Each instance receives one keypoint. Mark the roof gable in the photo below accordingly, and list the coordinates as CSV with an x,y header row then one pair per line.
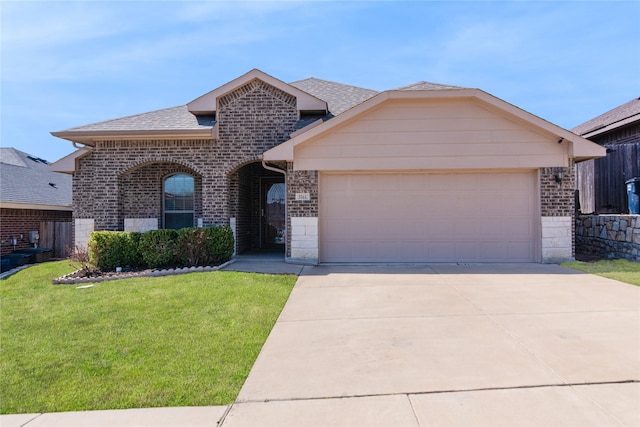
x,y
208,103
575,146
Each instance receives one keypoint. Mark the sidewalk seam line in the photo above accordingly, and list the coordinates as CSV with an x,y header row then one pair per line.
x,y
418,393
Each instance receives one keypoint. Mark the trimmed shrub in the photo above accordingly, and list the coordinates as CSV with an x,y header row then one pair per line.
x,y
204,246
111,249
159,248
219,244
192,248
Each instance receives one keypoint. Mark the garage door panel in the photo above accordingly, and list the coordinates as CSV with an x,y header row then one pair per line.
x,y
361,203
440,229
520,251
412,182
474,217
494,251
518,207
389,230
517,229
441,251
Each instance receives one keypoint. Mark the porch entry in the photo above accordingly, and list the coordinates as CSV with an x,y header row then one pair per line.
x,y
257,201
273,222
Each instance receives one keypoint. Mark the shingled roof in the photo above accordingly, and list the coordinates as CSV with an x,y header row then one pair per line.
x,y
338,96
428,86
622,115
178,120
168,119
27,180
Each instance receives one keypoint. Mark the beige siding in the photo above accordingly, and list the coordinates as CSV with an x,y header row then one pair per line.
x,y
430,134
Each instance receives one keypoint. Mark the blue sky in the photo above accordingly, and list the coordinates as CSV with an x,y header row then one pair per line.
x,y
65,64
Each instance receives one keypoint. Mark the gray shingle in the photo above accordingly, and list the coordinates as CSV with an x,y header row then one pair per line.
x,y
175,118
624,111
338,96
428,86
26,179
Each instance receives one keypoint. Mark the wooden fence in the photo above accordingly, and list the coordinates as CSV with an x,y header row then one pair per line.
x,y
601,182
57,236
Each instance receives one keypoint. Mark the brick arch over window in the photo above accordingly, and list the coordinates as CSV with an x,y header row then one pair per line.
x,y
141,189
139,163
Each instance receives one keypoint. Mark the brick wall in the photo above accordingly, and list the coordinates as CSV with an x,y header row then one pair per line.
x,y
17,222
557,199
123,178
141,190
557,206
300,182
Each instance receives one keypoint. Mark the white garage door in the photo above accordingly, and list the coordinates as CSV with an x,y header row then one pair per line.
x,y
462,217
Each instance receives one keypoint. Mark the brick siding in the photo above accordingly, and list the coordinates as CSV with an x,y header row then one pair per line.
x,y
558,199
121,179
16,222
300,182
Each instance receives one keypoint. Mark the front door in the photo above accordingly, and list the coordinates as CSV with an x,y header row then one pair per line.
x,y
273,230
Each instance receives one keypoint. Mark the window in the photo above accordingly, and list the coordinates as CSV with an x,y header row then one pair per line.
x,y
178,201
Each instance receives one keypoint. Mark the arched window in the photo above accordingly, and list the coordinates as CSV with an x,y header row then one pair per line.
x,y
178,201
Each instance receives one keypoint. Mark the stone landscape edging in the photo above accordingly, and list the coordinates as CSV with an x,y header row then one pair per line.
x,y
69,280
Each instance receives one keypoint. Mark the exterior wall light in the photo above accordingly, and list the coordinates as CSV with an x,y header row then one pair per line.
x,y
558,174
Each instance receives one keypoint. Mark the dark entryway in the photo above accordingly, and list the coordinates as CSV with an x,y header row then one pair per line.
x,y
273,198
257,201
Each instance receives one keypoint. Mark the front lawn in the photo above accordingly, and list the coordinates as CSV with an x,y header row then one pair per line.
x,y
184,340
619,269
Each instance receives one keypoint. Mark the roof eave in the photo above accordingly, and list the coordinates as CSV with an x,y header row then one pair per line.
x,y
612,126
89,137
35,206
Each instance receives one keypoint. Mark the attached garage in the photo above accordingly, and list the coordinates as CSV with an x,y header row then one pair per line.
x,y
428,217
420,176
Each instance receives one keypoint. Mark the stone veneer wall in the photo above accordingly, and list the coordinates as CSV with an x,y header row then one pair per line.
x,y
111,182
301,182
609,236
557,209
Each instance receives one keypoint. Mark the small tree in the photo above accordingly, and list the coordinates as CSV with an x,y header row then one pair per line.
x,y
80,260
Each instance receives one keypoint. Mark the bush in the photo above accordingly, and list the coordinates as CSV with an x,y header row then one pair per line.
x,y
192,249
111,249
204,246
219,244
159,248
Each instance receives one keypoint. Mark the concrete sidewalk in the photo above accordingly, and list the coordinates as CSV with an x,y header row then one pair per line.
x,y
267,263
200,416
479,345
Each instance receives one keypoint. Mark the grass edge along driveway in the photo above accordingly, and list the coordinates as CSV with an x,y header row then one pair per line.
x,y
184,340
619,269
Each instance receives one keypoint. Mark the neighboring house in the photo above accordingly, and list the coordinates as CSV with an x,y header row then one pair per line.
x,y
32,199
601,182
327,172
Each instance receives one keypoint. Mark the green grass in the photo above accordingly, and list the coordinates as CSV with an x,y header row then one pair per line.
x,y
620,269
185,340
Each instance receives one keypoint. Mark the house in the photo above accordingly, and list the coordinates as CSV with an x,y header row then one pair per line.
x,y
34,201
327,172
601,182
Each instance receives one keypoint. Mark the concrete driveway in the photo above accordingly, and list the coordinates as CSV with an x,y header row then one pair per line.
x,y
523,344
